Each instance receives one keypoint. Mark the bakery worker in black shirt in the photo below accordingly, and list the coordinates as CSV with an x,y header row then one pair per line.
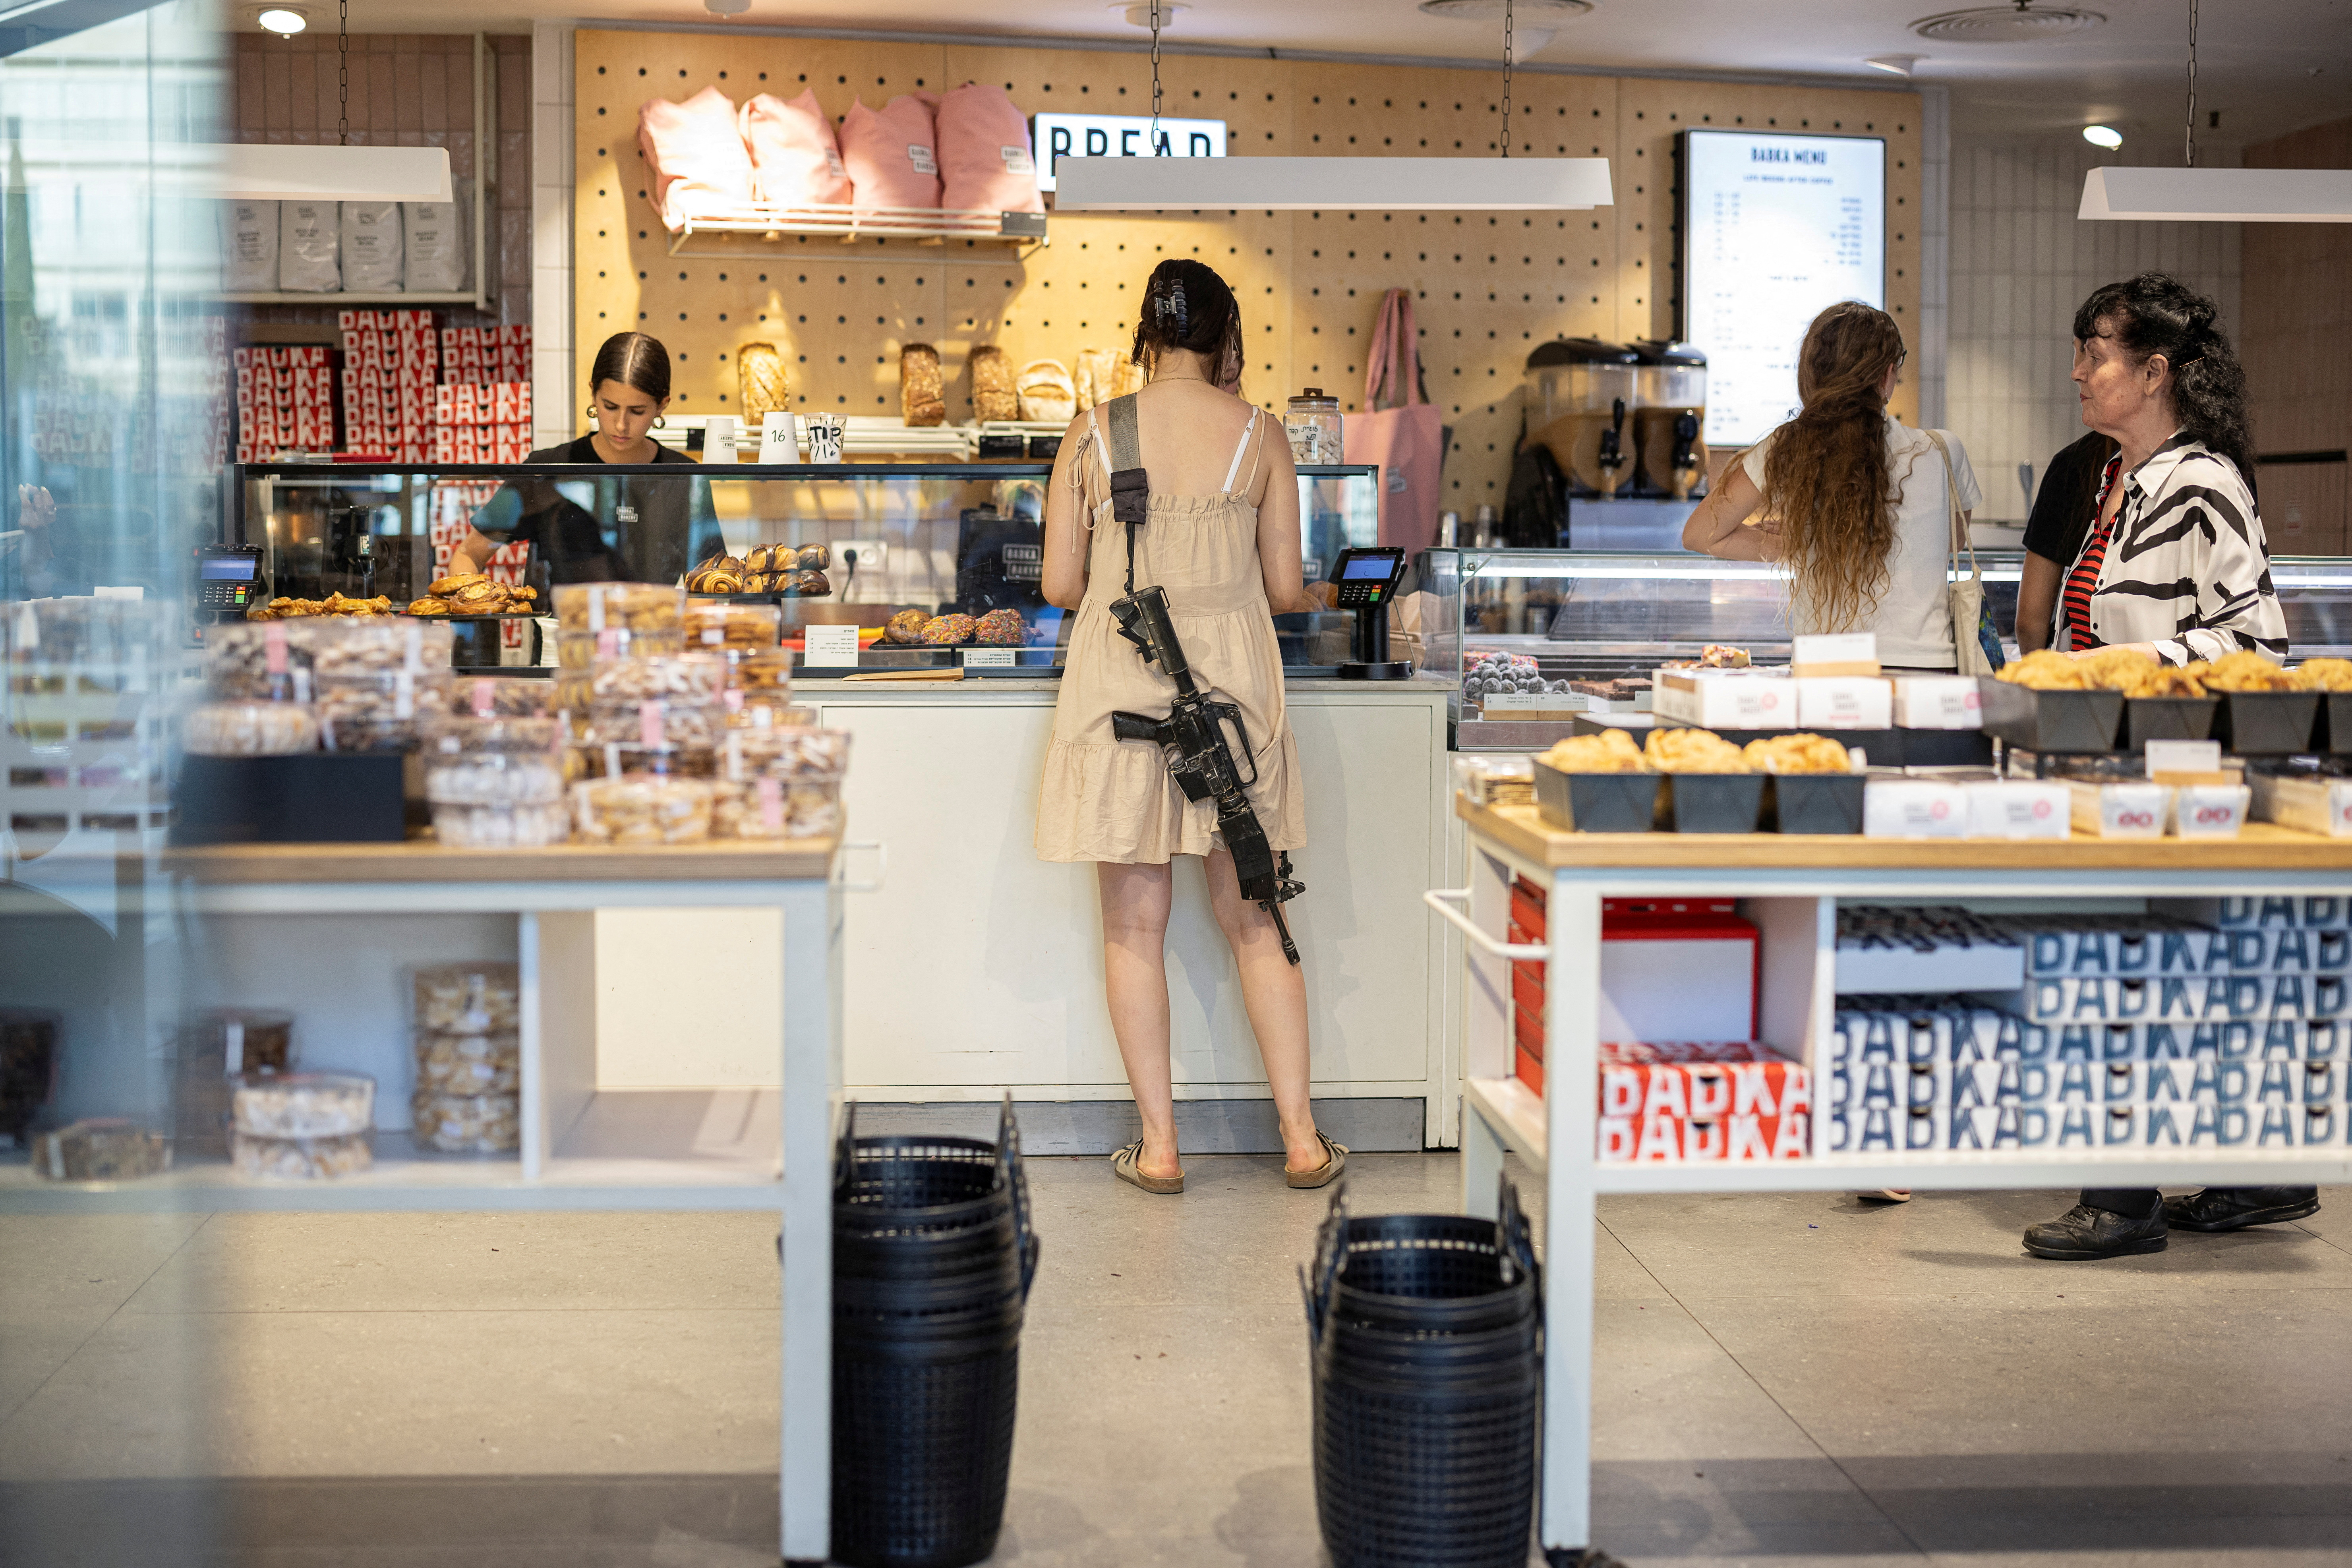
x,y
2063,510
642,534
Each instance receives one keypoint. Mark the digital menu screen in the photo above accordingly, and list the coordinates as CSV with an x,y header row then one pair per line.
x,y
1775,228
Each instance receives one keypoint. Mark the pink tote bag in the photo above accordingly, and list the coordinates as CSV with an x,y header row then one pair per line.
x,y
1408,440
697,154
794,159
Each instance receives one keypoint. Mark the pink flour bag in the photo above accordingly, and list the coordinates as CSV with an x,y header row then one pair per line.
x,y
795,161
696,152
985,163
892,152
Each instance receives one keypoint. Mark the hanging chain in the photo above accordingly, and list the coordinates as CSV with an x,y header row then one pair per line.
x,y
343,74
1506,77
2188,134
1155,77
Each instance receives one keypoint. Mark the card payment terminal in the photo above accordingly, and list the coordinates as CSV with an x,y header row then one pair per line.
x,y
228,579
1366,580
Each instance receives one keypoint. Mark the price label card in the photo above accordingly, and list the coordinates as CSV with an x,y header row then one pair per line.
x,y
1536,702
989,658
832,648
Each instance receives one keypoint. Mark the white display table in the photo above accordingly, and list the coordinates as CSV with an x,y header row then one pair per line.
x,y
1789,887
582,1147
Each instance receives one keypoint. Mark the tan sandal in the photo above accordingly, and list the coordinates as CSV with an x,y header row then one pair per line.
x,y
1335,1160
1128,1167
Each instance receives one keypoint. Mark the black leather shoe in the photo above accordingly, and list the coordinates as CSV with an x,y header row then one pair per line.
x,y
2234,1208
2083,1231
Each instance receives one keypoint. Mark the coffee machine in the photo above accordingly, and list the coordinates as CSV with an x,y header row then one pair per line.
x,y
1669,419
1580,398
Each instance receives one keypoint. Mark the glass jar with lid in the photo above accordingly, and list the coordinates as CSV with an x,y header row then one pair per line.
x,y
1581,396
1670,422
1312,423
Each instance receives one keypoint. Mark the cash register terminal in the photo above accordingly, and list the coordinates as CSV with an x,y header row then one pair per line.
x,y
228,581
1366,580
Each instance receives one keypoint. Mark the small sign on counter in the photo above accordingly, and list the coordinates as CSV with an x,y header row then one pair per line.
x,y
831,647
989,659
1531,704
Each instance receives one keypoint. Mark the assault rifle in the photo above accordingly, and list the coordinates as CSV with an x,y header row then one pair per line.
x,y
1202,762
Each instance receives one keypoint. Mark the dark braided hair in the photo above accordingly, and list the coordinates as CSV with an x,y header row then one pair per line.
x,y
1187,306
2156,313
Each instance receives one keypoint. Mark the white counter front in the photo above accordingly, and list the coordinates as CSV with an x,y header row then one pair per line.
x,y
977,968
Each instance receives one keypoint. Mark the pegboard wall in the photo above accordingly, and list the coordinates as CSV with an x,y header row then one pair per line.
x,y
1487,286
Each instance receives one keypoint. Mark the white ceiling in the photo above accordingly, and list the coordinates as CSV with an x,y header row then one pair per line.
x,y
2268,66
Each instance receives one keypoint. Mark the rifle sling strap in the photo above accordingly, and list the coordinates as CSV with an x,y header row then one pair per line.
x,y
1130,486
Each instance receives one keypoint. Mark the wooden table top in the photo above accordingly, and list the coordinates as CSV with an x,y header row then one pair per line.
x,y
422,860
2260,847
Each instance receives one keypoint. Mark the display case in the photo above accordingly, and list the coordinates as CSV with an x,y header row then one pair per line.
x,y
1595,615
937,538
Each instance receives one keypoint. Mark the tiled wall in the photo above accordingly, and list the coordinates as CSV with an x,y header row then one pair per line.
x,y
407,90
2020,262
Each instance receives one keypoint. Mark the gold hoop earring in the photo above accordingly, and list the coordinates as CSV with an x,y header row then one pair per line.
x,y
661,422
590,411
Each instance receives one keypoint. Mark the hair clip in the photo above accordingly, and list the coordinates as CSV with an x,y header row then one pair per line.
x,y
1171,303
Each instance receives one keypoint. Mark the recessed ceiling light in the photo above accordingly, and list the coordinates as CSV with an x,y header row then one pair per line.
x,y
1140,15
2016,24
2103,136
727,7
282,20
1893,65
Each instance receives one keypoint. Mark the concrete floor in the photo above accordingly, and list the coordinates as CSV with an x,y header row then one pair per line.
x,y
1780,1378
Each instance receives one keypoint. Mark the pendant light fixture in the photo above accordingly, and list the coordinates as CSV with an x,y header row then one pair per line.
x,y
2191,194
271,171
1166,182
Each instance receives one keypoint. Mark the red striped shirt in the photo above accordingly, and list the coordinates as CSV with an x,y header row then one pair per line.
x,y
2074,601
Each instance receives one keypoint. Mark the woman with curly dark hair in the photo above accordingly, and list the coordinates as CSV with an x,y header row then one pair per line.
x,y
1849,500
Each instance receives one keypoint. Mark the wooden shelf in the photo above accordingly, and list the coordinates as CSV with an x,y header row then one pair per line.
x,y
422,860
2262,847
338,298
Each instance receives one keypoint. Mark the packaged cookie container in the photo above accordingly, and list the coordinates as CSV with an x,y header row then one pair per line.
x,y
467,1124
712,626
300,1159
765,710
456,737
503,697
495,778
768,673
370,710
699,677
225,1042
581,650
635,606
302,1104
654,721
468,1064
467,998
534,827
249,728
376,645
104,1149
613,760
767,807
640,808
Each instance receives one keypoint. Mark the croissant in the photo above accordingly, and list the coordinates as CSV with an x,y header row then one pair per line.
x,y
451,583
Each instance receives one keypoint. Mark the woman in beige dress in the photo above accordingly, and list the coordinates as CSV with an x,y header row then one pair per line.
x,y
1222,539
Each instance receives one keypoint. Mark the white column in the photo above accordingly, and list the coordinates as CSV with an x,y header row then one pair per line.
x,y
555,396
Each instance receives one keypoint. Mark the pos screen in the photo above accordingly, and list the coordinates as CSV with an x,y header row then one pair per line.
x,y
1365,577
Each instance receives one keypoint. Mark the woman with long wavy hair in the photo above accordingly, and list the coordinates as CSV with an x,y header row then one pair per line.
x,y
1851,501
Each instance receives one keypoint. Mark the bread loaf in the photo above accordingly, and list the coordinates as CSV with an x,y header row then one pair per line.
x,y
1098,373
919,400
993,396
760,381
1129,379
1047,395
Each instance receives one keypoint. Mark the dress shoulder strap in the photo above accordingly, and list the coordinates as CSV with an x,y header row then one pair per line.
x,y
1234,471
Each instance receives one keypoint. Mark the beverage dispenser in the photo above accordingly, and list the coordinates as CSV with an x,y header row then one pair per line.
x,y
1580,404
1669,417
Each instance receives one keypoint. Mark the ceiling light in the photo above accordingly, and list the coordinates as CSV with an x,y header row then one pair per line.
x,y
2103,136
2218,196
275,171
282,20
1893,65
727,7
2014,24
1140,15
1492,10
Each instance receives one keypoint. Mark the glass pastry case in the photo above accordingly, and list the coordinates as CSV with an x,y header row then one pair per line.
x,y
1514,630
866,544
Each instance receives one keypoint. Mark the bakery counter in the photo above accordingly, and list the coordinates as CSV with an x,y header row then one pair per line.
x,y
979,967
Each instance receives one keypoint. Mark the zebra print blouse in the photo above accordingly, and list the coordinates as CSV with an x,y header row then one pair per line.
x,y
2187,568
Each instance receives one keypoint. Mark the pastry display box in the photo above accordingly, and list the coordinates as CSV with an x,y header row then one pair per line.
x,y
936,564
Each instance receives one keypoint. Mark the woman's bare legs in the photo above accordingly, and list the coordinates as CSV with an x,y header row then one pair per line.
x,y
1135,902
1274,991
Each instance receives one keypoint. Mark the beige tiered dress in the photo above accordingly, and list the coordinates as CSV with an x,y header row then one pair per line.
x,y
1106,799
